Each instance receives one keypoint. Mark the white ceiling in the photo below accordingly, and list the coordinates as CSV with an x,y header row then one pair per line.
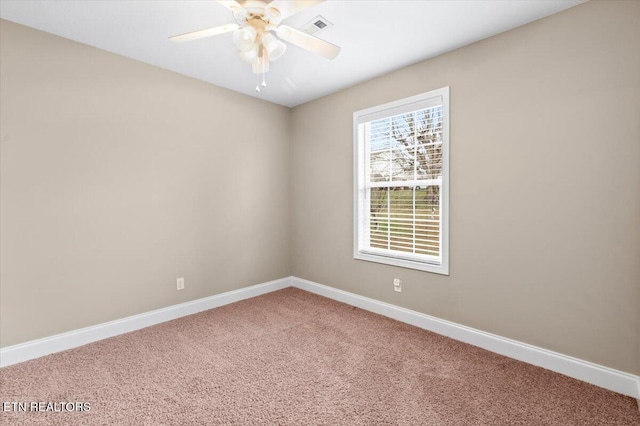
x,y
376,37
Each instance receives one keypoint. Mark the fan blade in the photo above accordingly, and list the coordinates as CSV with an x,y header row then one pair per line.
x,y
308,42
209,32
288,7
229,4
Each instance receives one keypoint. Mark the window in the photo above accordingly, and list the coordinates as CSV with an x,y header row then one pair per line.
x,y
401,174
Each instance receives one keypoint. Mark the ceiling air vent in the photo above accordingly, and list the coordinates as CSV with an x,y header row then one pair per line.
x,y
315,25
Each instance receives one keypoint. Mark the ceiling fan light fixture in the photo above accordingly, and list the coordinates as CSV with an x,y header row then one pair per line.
x,y
250,55
252,32
274,47
245,37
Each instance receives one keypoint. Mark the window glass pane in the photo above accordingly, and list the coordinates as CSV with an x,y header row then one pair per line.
x,y
427,223
379,218
401,210
429,143
402,131
380,166
403,147
380,135
379,145
429,125
403,164
406,219
429,161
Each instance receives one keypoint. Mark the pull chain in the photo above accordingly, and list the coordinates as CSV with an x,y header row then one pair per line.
x,y
261,57
257,83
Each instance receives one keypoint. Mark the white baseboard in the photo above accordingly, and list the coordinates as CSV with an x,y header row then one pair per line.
x,y
608,378
60,342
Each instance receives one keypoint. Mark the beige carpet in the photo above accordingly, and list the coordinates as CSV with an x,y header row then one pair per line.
x,y
291,357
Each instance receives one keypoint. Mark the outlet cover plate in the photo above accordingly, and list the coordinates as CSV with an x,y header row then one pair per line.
x,y
397,285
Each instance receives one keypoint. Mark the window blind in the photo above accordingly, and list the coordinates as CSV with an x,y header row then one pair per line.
x,y
403,166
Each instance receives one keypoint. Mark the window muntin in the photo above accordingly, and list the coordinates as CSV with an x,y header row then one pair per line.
x,y
401,182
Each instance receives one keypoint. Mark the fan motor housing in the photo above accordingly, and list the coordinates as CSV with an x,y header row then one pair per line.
x,y
257,14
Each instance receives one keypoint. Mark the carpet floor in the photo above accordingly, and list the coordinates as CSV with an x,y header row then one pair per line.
x,y
294,358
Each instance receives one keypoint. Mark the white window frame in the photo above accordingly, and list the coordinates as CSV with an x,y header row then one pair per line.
x,y
360,201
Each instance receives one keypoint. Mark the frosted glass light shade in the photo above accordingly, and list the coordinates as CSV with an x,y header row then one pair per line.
x,y
274,47
250,55
244,38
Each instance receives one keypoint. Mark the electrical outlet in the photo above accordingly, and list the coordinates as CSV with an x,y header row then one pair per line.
x,y
180,284
397,285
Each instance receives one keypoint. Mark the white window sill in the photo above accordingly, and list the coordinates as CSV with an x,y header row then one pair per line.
x,y
403,263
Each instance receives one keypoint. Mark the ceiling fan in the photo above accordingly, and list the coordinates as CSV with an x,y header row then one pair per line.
x,y
256,21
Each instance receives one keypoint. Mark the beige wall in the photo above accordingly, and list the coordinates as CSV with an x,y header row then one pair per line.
x,y
545,186
118,177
